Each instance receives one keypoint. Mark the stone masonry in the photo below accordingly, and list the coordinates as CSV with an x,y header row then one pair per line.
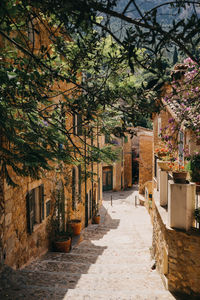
x,y
177,256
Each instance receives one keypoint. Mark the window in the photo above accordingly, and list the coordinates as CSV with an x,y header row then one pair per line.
x,y
155,166
99,190
180,148
48,208
35,207
77,124
159,126
76,186
79,183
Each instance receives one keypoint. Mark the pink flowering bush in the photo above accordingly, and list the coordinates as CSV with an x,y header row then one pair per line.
x,y
184,100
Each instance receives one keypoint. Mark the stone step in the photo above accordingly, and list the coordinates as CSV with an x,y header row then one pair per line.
x,y
63,280
85,250
54,293
84,268
84,257
109,251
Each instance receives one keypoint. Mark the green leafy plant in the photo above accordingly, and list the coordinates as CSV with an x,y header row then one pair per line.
x,y
197,214
194,167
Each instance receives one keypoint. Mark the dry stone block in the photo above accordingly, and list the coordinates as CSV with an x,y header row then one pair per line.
x,y
8,219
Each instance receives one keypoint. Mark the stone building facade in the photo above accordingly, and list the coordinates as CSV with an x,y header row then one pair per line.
x,y
26,210
26,231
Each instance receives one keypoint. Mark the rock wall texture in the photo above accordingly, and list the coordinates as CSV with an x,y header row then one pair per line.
x,y
17,244
177,256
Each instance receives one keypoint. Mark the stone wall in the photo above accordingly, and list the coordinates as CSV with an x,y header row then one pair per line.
x,y
177,255
145,160
17,245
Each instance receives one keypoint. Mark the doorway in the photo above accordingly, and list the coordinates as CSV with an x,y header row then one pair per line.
x,y
107,178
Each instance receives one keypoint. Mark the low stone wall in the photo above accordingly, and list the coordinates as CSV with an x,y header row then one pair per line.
x,y
177,254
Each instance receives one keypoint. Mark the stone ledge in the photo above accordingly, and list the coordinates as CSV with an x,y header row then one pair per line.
x,y
141,200
161,210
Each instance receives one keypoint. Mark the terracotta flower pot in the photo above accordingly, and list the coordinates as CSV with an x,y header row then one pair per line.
x,y
164,165
62,245
96,219
76,226
179,177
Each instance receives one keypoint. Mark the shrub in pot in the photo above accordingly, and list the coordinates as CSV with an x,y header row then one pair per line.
x,y
75,226
96,216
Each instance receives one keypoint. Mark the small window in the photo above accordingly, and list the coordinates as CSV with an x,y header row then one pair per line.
x,y
159,126
181,148
48,208
35,207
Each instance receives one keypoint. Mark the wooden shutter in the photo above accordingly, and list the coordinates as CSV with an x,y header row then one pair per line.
x,y
73,188
41,197
74,123
79,182
90,211
30,210
99,188
79,124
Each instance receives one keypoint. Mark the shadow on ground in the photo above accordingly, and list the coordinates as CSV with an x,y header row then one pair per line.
x,y
53,274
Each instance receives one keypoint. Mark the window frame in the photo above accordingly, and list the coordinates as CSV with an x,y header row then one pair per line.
x,y
35,207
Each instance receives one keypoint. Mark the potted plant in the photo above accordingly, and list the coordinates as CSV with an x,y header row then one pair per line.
x,y
62,242
61,238
194,167
179,173
96,216
60,235
75,225
165,158
197,215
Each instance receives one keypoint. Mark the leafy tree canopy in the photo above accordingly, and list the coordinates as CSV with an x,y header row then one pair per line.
x,y
63,57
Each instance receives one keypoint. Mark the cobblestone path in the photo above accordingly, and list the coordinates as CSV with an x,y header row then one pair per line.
x,y
112,262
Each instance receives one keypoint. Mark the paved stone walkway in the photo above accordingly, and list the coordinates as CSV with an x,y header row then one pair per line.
x,y
112,262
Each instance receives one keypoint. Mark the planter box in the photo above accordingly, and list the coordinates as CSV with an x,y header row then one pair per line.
x,y
181,204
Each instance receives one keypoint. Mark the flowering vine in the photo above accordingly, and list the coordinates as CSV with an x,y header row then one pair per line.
x,y
184,102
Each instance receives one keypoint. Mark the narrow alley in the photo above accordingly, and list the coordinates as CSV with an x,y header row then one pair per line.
x,y
112,261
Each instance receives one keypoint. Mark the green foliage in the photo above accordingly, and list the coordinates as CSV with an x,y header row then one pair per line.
x,y
194,167
113,75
